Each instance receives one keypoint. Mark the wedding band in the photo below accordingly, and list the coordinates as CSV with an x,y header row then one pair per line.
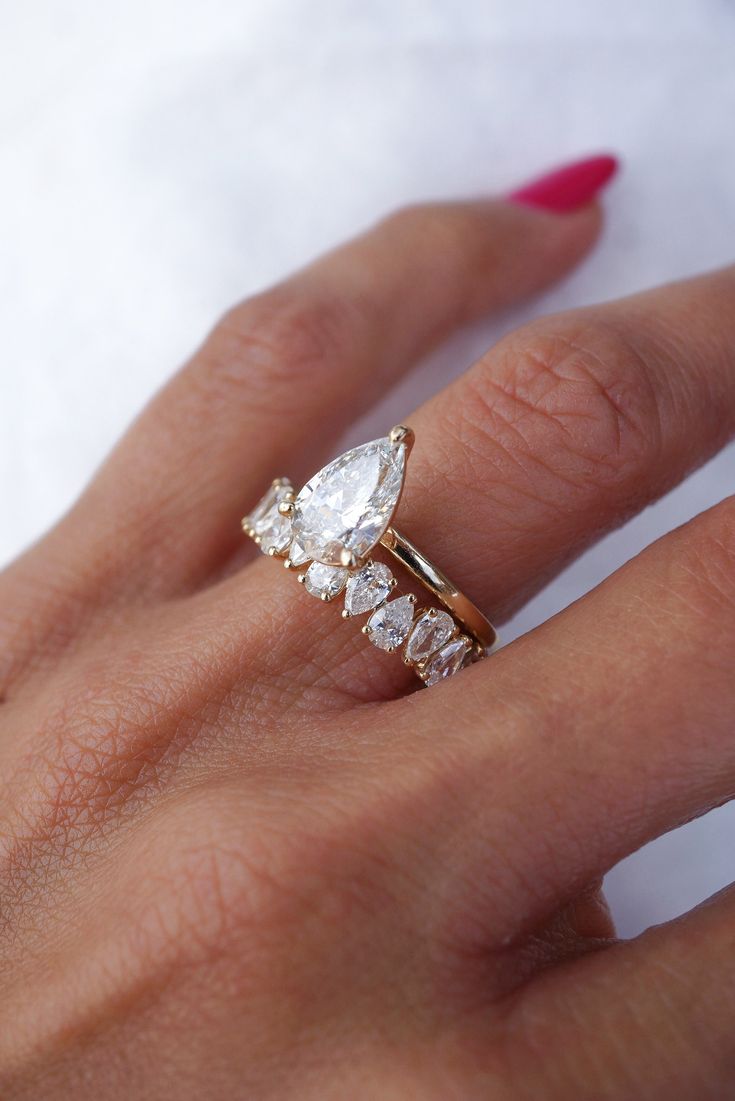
x,y
330,529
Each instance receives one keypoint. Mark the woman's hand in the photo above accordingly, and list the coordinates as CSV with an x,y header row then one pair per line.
x,y
238,858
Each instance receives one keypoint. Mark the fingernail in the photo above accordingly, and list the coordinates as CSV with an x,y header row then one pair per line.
x,y
570,187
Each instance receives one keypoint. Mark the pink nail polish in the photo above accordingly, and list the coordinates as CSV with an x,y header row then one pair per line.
x,y
570,187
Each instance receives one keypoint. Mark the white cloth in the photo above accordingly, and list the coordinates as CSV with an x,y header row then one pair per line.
x,y
161,158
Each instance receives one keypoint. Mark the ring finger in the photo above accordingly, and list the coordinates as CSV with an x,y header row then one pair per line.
x,y
562,431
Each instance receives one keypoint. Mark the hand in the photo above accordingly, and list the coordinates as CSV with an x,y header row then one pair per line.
x,y
238,856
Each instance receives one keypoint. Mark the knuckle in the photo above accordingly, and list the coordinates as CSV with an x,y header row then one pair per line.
x,y
268,341
266,878
440,229
227,885
575,396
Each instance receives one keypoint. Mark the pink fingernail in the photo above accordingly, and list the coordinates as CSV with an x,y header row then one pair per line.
x,y
570,187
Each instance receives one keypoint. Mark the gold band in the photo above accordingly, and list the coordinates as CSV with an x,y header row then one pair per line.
x,y
437,582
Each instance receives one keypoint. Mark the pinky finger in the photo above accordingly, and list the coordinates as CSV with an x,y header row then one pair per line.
x,y
650,1018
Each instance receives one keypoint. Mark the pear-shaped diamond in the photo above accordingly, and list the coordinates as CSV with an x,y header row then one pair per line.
x,y
367,588
389,625
297,556
431,630
447,661
348,505
323,581
271,530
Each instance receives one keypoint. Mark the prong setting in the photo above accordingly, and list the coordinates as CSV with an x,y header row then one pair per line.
x,y
349,559
402,434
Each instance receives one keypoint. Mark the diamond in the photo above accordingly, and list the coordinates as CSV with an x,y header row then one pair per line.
x,y
264,505
348,505
447,661
431,630
326,582
297,556
389,625
270,529
367,588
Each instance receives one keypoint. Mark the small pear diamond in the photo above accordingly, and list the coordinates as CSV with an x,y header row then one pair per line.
x,y
431,630
271,530
447,661
367,588
389,625
326,582
297,556
347,506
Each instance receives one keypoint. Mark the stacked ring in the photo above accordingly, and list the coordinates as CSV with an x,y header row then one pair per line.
x,y
328,531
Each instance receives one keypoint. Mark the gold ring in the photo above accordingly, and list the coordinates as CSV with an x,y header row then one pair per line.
x,y
332,526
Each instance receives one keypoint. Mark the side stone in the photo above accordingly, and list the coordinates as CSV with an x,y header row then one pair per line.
x,y
388,627
447,661
271,530
326,582
430,631
368,588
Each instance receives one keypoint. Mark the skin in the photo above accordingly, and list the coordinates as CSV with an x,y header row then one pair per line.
x,y
240,857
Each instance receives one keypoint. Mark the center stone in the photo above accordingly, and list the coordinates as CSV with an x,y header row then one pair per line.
x,y
350,502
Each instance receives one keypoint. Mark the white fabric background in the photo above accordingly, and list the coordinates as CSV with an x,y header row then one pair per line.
x,y
161,158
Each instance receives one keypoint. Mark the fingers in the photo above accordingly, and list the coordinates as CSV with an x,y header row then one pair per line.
x,y
558,434
609,725
269,392
656,1013
282,375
